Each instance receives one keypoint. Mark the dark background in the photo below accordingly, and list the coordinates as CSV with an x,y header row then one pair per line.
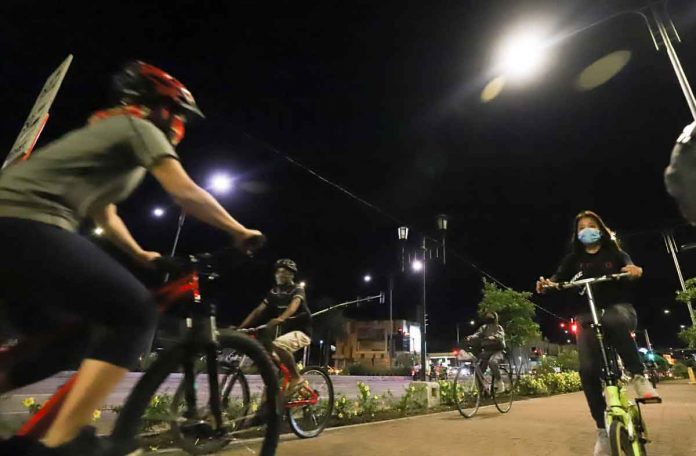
x,y
383,98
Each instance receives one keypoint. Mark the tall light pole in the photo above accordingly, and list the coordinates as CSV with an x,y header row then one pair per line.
x,y
660,26
420,265
672,249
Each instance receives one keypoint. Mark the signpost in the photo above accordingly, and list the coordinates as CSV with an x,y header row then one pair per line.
x,y
26,140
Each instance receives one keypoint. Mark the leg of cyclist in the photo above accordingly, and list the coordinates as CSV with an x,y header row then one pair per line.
x,y
285,346
590,377
494,363
619,320
87,283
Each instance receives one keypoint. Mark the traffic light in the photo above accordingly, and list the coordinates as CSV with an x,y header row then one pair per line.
x,y
562,325
574,328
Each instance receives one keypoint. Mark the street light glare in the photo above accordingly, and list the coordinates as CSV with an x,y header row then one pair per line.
x,y
417,265
523,55
666,311
367,278
98,231
221,183
158,212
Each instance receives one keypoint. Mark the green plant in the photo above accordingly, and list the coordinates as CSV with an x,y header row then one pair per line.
x,y
415,398
532,385
31,405
345,409
449,391
367,403
515,312
569,360
680,370
688,335
547,365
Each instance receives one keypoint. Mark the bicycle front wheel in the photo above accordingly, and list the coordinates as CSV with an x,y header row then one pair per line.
x,y
195,428
504,391
467,388
150,403
618,438
310,409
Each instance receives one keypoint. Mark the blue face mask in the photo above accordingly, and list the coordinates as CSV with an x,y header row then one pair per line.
x,y
589,236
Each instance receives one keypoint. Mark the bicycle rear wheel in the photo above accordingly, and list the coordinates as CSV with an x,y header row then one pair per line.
x,y
503,398
152,391
310,409
467,389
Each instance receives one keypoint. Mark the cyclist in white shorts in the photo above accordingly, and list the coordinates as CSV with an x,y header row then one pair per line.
x,y
285,307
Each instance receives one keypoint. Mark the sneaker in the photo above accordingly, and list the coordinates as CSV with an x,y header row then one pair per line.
x,y
644,390
601,446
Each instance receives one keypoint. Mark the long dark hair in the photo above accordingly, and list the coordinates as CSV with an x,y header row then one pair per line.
x,y
608,240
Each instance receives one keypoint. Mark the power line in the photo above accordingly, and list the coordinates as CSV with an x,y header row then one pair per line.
x,y
379,210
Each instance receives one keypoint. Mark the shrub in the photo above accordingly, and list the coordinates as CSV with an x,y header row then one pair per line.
x,y
569,360
680,370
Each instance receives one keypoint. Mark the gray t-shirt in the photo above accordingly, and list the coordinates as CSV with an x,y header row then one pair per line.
x,y
93,166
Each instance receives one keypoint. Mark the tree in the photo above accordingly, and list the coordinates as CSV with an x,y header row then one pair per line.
x,y
515,312
688,335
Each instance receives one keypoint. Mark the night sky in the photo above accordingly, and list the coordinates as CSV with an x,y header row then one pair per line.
x,y
383,98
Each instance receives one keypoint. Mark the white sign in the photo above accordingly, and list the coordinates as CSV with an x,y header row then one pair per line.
x,y
38,116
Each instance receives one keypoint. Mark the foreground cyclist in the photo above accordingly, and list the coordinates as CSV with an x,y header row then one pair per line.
x,y
286,305
49,270
594,253
488,343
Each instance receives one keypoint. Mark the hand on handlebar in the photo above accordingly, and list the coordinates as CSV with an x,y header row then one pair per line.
x,y
634,271
544,284
147,259
249,241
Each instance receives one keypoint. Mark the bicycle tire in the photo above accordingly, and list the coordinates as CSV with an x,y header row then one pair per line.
x,y
467,392
618,439
327,413
128,421
503,401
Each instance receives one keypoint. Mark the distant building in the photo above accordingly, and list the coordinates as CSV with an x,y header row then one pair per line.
x,y
367,342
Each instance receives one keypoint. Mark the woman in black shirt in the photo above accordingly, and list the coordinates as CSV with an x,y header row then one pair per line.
x,y
595,252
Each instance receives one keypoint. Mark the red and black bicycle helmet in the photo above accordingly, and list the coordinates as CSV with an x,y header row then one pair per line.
x,y
141,83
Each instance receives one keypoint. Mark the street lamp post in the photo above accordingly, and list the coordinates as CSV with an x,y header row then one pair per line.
x,y
671,245
420,265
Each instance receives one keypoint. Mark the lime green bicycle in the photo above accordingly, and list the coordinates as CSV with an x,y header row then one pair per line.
x,y
627,431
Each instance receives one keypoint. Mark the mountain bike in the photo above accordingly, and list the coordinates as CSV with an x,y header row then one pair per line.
x,y
626,428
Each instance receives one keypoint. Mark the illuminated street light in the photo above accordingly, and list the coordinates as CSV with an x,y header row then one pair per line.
x,y
666,311
98,231
158,212
220,183
303,284
522,55
472,322
417,265
367,278
682,326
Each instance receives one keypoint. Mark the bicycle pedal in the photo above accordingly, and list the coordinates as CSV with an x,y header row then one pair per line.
x,y
649,400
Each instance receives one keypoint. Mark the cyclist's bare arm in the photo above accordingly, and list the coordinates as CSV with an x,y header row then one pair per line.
x,y
290,311
254,315
115,231
196,201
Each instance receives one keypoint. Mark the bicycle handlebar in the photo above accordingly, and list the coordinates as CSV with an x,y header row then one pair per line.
x,y
588,281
